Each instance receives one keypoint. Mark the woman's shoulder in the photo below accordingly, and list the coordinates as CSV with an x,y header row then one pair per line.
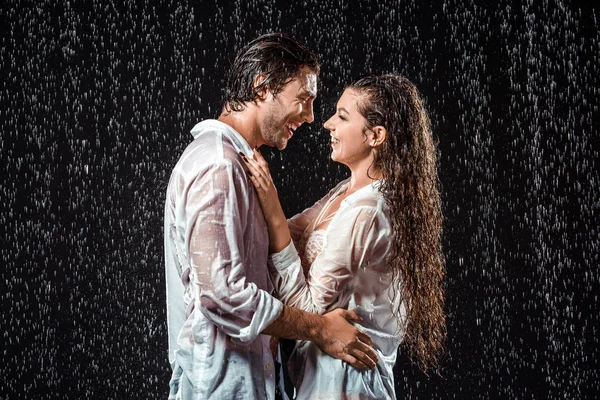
x,y
339,187
369,206
370,196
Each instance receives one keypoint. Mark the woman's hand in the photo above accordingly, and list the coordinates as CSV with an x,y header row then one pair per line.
x,y
258,171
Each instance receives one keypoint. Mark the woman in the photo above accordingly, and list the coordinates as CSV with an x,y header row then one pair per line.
x,y
371,244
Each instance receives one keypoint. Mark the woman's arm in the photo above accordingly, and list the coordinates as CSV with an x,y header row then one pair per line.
x,y
258,171
352,240
279,236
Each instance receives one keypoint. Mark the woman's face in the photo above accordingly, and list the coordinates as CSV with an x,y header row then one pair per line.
x,y
349,144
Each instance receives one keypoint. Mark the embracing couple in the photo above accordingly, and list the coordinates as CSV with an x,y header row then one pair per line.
x,y
350,279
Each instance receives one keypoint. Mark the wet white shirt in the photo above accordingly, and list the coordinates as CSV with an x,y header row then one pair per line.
x,y
350,271
218,284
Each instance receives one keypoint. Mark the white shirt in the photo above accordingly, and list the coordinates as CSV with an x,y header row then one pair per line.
x,y
349,272
218,284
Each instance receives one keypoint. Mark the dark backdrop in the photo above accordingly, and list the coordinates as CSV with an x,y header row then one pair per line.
x,y
97,100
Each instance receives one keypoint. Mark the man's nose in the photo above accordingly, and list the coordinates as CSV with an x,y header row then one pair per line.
x,y
308,112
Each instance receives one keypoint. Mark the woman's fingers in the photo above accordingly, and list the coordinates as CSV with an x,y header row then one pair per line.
x,y
258,157
257,175
262,162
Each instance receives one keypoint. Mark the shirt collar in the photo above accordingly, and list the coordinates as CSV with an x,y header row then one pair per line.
x,y
361,193
238,141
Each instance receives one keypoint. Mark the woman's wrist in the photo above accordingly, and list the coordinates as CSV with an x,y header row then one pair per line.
x,y
277,246
274,215
279,234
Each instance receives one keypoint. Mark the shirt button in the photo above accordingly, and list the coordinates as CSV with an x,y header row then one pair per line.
x,y
269,366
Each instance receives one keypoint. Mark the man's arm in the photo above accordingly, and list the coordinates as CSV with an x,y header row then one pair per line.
x,y
331,332
215,209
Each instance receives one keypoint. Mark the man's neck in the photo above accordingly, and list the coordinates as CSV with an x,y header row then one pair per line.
x,y
244,122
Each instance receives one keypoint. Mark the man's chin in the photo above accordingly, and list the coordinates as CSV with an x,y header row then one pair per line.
x,y
281,146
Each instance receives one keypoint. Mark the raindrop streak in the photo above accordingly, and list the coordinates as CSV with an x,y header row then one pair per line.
x,y
97,103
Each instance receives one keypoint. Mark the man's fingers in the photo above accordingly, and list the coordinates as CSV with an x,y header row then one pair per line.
x,y
363,353
354,362
352,316
363,337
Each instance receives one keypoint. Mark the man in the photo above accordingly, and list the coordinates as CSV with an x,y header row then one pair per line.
x,y
219,303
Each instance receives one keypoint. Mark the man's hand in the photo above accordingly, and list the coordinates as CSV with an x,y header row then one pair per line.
x,y
331,332
343,341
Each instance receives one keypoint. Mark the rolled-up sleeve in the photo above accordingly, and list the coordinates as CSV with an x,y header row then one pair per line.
x,y
216,212
350,240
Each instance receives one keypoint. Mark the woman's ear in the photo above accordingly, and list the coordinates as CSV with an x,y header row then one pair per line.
x,y
379,135
259,79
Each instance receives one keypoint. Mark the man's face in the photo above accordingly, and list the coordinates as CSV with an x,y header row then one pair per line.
x,y
290,108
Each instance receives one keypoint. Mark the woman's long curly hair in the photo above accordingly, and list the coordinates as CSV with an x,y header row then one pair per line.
x,y
408,163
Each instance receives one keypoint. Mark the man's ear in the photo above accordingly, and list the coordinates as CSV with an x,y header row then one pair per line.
x,y
379,135
259,79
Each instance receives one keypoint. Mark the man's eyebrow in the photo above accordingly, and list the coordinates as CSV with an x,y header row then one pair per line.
x,y
305,92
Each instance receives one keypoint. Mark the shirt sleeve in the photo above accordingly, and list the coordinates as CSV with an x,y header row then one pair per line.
x,y
216,210
351,239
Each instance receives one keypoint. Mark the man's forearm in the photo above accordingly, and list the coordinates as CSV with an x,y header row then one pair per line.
x,y
332,332
296,324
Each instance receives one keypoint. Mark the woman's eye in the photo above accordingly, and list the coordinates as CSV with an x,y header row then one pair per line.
x,y
342,117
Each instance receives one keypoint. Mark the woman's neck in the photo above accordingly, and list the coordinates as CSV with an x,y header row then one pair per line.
x,y
362,175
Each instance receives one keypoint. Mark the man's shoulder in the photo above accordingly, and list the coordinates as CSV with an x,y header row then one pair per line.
x,y
207,133
220,137
211,144
209,127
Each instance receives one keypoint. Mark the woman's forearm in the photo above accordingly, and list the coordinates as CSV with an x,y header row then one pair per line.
x,y
279,232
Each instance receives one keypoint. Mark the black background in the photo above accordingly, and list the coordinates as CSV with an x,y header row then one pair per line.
x,y
97,100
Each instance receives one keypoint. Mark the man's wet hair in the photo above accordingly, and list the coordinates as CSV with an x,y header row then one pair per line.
x,y
277,56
